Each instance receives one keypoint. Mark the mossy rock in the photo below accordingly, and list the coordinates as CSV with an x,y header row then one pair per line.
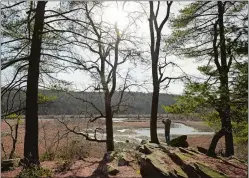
x,y
208,172
148,170
170,162
145,149
110,156
111,170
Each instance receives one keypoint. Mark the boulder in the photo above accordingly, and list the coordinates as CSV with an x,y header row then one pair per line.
x,y
144,149
180,141
122,159
8,164
105,169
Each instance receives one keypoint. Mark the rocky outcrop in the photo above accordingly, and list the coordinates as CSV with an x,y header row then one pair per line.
x,y
113,160
163,161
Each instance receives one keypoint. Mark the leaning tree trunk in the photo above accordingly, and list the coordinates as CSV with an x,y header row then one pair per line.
x,y
224,114
214,142
109,126
31,154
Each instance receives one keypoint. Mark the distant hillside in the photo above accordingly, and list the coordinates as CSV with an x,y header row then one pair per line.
x,y
139,103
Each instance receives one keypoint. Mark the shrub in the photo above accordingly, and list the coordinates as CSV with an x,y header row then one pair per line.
x,y
35,172
47,156
74,150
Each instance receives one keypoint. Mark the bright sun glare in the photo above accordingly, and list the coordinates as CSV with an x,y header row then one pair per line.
x,y
114,14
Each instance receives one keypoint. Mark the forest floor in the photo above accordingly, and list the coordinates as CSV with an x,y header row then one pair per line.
x,y
83,158
86,167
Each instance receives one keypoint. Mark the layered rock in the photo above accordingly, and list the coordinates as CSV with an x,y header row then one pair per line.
x,y
163,161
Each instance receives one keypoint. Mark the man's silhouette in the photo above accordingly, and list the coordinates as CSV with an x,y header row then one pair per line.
x,y
167,123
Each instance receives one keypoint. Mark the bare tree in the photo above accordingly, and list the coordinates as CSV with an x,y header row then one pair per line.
x,y
103,42
51,142
157,66
13,121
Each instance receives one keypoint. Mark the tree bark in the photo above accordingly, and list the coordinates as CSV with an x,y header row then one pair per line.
x,y
225,116
109,126
31,154
153,116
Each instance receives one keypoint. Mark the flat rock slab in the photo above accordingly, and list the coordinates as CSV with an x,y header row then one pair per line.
x,y
163,161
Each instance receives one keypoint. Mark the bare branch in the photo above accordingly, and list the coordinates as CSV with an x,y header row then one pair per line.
x,y
85,135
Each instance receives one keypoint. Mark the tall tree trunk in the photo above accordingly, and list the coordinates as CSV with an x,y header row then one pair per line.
x,y
156,91
154,59
224,89
109,126
155,41
153,116
31,154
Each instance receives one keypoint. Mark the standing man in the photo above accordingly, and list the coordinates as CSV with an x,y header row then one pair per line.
x,y
167,123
